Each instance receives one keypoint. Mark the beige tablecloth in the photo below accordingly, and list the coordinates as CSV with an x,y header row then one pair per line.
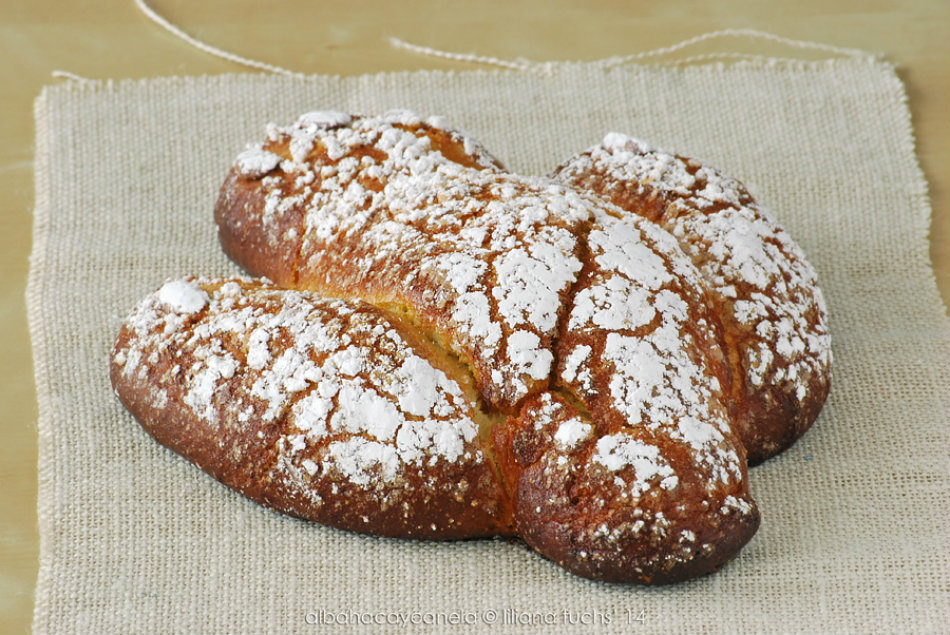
x,y
855,534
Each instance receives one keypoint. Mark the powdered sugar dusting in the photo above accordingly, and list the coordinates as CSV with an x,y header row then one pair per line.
x,y
256,162
572,432
743,254
659,378
182,297
358,400
323,118
619,451
490,253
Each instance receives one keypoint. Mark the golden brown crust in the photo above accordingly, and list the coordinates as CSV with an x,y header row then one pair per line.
x,y
761,286
579,340
621,507
631,470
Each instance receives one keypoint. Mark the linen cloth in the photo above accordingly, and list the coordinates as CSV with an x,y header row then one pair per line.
x,y
855,535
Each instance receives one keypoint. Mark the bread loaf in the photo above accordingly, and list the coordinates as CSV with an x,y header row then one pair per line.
x,y
508,356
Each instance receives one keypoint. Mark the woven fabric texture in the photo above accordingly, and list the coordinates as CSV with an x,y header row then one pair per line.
x,y
855,535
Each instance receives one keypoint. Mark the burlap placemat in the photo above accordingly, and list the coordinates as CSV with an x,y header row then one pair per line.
x,y
855,536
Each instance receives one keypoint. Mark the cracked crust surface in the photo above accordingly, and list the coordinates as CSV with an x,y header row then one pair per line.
x,y
583,343
761,285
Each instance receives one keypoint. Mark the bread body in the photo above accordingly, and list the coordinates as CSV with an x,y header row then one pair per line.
x,y
762,288
591,401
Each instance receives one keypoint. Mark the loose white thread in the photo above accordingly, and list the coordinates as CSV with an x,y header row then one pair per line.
x,y
546,67
518,65
207,48
58,74
751,34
